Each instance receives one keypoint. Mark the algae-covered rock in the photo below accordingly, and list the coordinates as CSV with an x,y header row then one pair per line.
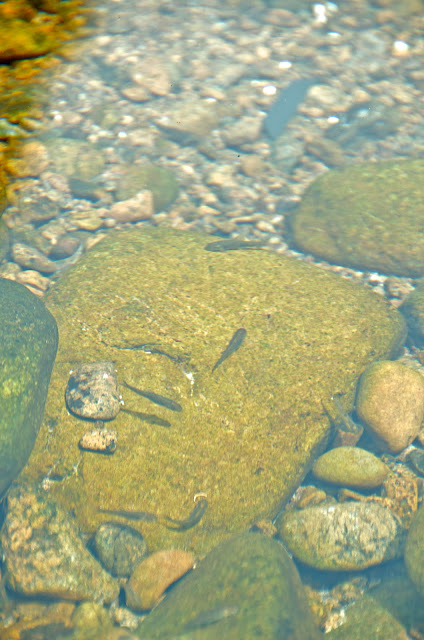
x,y
398,595
413,310
342,537
414,551
20,39
390,403
368,620
4,238
27,351
161,182
164,309
350,467
367,216
247,587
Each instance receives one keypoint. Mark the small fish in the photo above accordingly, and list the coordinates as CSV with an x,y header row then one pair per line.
x,y
143,516
207,618
178,525
156,398
234,344
148,417
233,244
195,516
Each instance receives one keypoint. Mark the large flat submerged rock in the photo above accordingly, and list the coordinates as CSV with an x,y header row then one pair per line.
x,y
164,309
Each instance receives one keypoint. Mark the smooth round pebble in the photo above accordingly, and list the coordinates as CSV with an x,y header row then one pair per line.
x,y
92,391
153,576
119,548
390,402
342,537
350,467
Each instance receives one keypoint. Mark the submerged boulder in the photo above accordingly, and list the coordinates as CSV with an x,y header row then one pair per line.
x,y
247,587
367,216
232,354
27,351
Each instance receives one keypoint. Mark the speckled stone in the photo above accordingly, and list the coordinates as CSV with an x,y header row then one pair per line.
x,y
119,548
101,440
44,555
350,467
342,537
92,391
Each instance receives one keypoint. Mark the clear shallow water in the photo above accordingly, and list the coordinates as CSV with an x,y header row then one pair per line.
x,y
187,88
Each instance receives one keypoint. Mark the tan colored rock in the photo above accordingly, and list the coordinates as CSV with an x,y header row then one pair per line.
x,y
32,161
350,467
140,207
390,402
154,575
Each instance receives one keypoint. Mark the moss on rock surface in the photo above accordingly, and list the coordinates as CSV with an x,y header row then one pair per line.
x,y
27,351
163,310
367,216
246,588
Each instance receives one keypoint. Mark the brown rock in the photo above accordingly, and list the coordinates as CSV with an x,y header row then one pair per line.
x,y
30,258
32,160
390,402
134,209
154,575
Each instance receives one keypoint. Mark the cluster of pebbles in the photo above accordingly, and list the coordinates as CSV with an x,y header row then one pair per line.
x,y
137,91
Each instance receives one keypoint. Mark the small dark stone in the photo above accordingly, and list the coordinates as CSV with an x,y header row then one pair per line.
x,y
416,459
119,548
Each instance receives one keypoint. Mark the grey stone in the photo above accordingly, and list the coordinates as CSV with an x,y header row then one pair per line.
x,y
342,537
248,587
44,555
27,351
119,548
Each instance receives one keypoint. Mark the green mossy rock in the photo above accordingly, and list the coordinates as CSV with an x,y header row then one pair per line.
x,y
368,620
248,431
250,575
350,467
413,310
399,596
414,551
27,352
367,216
159,181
